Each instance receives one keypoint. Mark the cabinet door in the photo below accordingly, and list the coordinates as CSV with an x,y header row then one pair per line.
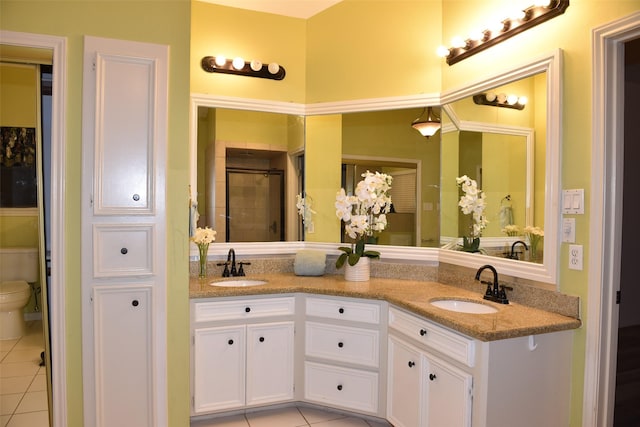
x,y
448,394
219,374
123,352
269,363
404,384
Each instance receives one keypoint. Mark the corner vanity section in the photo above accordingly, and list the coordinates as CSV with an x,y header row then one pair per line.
x,y
378,348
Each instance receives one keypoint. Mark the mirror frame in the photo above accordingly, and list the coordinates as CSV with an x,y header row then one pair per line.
x,y
546,272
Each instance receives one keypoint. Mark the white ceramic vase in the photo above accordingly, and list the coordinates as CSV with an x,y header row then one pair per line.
x,y
359,272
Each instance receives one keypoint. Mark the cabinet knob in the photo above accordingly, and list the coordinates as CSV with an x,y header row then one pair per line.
x,y
136,197
340,344
247,309
261,339
341,310
135,303
432,377
124,251
230,342
423,332
412,363
339,387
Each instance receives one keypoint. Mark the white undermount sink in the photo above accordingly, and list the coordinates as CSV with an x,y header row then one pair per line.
x,y
238,283
462,306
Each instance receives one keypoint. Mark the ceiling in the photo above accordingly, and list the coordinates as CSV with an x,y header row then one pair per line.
x,y
293,8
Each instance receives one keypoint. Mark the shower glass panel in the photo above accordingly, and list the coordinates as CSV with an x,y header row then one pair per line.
x,y
255,208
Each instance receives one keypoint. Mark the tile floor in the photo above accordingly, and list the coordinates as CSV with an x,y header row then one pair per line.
x,y
23,385
293,416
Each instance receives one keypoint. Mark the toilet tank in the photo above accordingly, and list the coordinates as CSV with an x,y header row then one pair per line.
x,y
19,264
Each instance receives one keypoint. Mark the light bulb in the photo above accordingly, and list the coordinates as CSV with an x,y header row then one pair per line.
x,y
274,68
442,51
496,27
542,3
256,65
490,96
518,15
512,99
523,100
238,63
502,98
220,60
458,42
476,35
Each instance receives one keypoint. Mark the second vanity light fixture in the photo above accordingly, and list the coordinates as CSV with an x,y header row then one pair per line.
x,y
427,126
522,20
238,66
500,100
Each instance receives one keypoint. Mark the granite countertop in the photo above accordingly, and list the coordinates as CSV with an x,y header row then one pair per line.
x,y
510,321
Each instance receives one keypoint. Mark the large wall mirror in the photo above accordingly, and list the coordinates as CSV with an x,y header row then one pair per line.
x,y
516,155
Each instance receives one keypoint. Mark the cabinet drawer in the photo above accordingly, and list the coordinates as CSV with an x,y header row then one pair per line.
x,y
343,309
341,387
342,343
243,309
453,345
123,250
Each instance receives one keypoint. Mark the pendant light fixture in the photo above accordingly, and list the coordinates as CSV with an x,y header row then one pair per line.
x,y
427,126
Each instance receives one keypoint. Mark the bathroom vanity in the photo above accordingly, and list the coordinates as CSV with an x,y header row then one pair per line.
x,y
379,348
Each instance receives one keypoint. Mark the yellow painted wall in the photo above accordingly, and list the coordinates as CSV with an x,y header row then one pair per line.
x,y
163,22
324,147
221,30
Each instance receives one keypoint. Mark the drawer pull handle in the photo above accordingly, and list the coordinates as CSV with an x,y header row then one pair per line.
x,y
247,309
230,342
412,363
124,251
135,303
339,387
432,377
340,344
261,339
423,332
136,197
341,310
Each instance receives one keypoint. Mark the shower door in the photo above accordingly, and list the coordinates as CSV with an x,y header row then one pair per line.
x,y
255,205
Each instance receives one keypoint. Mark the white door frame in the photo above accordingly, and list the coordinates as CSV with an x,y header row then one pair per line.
x,y
605,228
57,322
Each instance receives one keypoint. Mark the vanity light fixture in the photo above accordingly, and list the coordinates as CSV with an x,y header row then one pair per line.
x,y
429,126
541,11
500,100
238,66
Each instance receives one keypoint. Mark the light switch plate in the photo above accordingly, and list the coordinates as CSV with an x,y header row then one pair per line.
x,y
573,201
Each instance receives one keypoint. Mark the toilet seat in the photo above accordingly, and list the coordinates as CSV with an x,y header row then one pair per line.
x,y
14,287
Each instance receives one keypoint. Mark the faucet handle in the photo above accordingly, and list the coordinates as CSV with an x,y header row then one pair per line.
x,y
503,293
241,269
225,272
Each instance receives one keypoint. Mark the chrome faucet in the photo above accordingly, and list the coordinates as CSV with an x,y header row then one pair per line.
x,y
513,254
495,292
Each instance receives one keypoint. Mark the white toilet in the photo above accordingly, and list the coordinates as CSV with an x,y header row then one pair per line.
x,y
18,268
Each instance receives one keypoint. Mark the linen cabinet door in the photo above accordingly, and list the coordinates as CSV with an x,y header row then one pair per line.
x,y
448,393
219,368
270,362
404,408
124,376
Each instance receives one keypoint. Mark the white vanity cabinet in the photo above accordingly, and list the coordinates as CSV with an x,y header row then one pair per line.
x,y
243,352
439,377
344,341
424,390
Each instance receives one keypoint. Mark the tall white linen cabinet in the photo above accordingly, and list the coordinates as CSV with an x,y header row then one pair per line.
x,y
124,142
